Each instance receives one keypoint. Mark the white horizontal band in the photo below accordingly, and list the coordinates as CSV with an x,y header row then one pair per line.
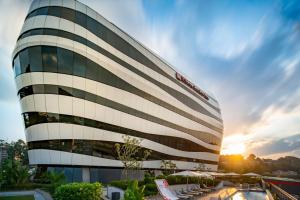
x,y
56,131
82,108
41,156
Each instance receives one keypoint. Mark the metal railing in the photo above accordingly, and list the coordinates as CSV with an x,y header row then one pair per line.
x,y
277,192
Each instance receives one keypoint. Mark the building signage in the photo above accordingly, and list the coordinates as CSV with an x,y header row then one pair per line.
x,y
191,85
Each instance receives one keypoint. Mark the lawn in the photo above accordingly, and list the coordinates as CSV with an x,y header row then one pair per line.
x,y
27,197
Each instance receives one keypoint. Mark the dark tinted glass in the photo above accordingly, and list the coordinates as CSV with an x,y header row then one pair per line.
x,y
52,117
65,91
92,70
51,89
17,66
24,61
80,19
55,11
50,31
77,175
38,89
65,61
42,11
79,93
35,57
49,58
36,32
26,91
68,14
92,25
79,66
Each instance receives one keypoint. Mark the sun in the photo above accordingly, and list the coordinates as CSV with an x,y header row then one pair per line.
x,y
234,148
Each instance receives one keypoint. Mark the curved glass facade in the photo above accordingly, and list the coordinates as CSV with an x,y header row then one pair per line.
x,y
83,83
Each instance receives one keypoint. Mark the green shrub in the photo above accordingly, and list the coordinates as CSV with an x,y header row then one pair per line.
x,y
122,184
134,192
76,191
148,179
150,189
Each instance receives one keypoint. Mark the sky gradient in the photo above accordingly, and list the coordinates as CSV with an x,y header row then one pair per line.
x,y
246,52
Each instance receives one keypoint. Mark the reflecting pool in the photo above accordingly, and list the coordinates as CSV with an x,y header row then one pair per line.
x,y
242,195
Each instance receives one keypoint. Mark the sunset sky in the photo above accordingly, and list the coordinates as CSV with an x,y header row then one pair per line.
x,y
246,52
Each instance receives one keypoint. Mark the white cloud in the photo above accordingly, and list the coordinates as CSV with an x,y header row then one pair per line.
x,y
12,14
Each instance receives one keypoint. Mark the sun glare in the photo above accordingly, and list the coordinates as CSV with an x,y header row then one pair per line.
x,y
234,148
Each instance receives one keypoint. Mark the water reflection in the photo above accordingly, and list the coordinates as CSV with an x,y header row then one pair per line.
x,y
249,196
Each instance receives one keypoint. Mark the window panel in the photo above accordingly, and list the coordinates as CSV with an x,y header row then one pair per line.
x,y
54,11
17,66
80,19
51,89
49,58
49,31
91,70
79,66
38,89
92,25
42,11
68,14
65,91
35,58
24,61
65,61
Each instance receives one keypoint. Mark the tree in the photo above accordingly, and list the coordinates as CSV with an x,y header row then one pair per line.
x,y
168,166
14,169
131,154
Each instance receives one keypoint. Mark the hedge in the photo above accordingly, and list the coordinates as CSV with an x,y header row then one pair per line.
x,y
75,191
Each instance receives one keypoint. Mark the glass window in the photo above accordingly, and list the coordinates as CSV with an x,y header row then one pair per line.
x,y
26,119
51,89
66,145
77,174
17,66
91,70
79,66
25,91
66,119
90,97
38,31
54,11
65,91
78,120
68,14
92,25
78,93
49,58
35,58
80,19
38,89
52,117
65,61
24,61
50,31
42,11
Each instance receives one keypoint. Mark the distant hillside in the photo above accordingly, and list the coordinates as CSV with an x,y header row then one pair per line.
x,y
239,164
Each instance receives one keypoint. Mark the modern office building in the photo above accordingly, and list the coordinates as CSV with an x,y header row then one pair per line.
x,y
83,83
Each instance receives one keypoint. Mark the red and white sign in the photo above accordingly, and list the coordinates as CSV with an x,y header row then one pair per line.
x,y
191,85
163,188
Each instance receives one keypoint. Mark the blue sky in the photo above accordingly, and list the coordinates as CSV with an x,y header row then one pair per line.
x,y
246,52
